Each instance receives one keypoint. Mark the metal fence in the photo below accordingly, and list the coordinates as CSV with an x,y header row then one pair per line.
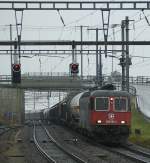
x,y
139,80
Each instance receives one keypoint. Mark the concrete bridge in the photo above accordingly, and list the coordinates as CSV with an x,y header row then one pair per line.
x,y
56,82
62,81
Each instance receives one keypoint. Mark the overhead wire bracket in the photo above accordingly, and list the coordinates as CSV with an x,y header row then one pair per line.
x,y
19,19
105,14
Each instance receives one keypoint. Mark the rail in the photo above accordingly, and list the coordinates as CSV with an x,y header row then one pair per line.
x,y
76,158
3,130
53,159
135,155
40,149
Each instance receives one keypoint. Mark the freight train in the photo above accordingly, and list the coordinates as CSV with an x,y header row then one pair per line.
x,y
104,113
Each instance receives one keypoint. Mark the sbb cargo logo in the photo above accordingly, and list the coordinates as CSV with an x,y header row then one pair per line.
x,y
111,116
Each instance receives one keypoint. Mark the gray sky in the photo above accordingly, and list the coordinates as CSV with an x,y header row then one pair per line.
x,y
46,25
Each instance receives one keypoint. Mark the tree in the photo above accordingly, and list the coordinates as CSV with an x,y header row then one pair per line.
x,y
116,76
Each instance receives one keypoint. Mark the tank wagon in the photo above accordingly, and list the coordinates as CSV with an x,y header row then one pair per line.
x,y
104,113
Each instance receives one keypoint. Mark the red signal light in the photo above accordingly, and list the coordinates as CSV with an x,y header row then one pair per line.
x,y
74,67
16,67
16,73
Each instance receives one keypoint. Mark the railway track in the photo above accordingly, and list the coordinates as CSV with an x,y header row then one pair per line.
x,y
4,130
51,149
132,153
130,150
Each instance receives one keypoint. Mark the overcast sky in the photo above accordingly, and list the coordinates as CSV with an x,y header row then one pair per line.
x,y
46,25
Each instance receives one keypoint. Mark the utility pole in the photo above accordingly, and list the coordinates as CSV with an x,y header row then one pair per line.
x,y
34,102
59,96
105,22
97,74
125,61
81,29
73,52
10,27
127,52
113,26
19,14
81,48
100,68
122,60
15,55
48,99
112,69
74,66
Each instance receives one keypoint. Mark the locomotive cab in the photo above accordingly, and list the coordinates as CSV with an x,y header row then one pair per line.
x,y
110,113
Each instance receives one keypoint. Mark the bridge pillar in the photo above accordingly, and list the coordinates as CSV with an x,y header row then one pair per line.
x,y
12,106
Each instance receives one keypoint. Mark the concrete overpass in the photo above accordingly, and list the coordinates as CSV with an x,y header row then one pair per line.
x,y
48,82
61,81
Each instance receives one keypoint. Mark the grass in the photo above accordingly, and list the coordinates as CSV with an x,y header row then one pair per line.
x,y
142,126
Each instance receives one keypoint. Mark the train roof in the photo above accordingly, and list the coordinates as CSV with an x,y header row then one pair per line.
x,y
109,93
97,93
75,99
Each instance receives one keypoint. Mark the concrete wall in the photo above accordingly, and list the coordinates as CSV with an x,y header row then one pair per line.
x,y
11,106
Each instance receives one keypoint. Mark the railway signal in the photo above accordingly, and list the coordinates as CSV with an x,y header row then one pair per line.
x,y
16,73
74,68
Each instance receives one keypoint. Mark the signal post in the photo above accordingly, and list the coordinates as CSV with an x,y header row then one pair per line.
x,y
74,66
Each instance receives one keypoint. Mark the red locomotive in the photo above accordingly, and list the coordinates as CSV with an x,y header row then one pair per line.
x,y
103,113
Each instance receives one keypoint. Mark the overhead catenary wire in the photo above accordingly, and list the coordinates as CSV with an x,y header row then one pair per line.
x,y
146,18
61,18
56,27
81,18
135,22
60,62
66,25
141,63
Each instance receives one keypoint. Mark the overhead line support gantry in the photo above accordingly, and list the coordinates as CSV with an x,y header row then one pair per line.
x,y
74,5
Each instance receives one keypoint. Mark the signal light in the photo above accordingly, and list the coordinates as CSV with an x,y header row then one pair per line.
x,y
16,67
16,73
74,67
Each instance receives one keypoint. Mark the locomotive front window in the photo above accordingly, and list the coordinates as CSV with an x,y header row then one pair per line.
x,y
101,103
120,104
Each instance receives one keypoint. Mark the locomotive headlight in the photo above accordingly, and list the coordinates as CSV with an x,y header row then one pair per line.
x,y
123,122
99,121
